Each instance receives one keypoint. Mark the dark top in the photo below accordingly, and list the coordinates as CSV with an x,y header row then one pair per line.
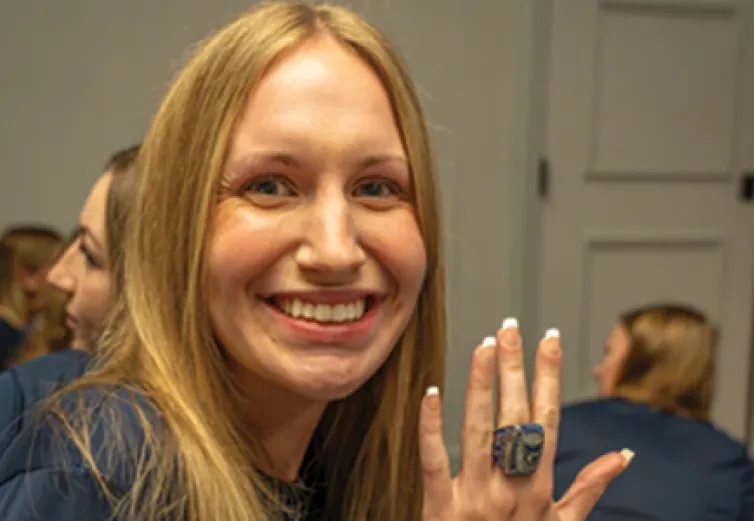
x,y
10,340
684,469
42,475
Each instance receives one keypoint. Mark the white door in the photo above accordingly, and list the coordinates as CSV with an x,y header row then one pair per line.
x,y
650,128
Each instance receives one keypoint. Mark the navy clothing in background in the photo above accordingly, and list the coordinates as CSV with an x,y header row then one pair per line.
x,y
10,339
684,469
37,481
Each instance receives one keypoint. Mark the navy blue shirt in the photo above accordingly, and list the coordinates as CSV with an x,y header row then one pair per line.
x,y
42,474
684,469
11,339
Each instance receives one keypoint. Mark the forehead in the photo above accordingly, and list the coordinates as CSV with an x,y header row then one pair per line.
x,y
93,213
618,335
320,92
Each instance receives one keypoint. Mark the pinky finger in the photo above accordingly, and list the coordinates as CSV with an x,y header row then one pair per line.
x,y
436,481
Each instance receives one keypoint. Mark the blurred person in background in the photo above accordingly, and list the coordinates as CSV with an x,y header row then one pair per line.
x,y
87,272
656,384
12,305
49,332
37,247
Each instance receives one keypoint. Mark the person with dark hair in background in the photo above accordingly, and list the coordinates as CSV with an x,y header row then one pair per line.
x,y
656,383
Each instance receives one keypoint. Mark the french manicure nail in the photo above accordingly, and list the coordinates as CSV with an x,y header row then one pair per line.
x,y
510,322
489,341
432,391
628,455
549,346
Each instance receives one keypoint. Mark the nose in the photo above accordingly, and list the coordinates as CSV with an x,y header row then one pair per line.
x,y
61,273
331,248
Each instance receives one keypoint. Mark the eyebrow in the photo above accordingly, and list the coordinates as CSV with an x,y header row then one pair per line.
x,y
82,230
286,159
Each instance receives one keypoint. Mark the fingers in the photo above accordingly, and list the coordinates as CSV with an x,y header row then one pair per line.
x,y
477,428
546,393
589,485
513,396
438,494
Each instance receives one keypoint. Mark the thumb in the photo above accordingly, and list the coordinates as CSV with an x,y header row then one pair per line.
x,y
587,489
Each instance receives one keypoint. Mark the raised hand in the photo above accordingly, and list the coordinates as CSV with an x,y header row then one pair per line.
x,y
482,490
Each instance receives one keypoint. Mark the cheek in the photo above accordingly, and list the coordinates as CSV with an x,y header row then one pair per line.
x,y
396,243
241,246
95,298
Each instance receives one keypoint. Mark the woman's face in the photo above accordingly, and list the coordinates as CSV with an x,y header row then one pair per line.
x,y
83,270
315,261
607,372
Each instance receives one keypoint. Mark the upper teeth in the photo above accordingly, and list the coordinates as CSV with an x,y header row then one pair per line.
x,y
346,312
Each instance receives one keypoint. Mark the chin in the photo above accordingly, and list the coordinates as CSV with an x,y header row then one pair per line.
x,y
332,381
328,393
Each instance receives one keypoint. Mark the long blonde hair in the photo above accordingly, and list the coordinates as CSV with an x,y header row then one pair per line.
x,y
367,444
671,359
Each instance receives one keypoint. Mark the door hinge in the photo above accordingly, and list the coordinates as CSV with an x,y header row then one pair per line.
x,y
747,187
543,177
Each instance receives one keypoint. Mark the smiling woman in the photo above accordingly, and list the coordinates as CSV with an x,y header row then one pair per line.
x,y
279,344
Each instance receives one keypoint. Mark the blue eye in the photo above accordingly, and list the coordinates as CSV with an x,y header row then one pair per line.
x,y
376,189
268,186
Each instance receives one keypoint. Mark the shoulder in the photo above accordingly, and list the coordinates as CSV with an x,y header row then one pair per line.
x,y
74,449
25,385
587,409
96,427
10,338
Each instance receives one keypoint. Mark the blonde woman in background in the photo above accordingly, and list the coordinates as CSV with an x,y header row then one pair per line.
x,y
279,347
655,383
89,271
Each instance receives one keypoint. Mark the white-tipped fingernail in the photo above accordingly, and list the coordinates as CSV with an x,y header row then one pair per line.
x,y
552,333
489,341
432,391
510,322
628,455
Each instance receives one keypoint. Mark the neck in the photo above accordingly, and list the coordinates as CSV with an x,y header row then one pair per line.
x,y
283,423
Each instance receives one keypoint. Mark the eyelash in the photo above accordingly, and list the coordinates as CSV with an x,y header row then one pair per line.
x,y
393,188
248,187
90,262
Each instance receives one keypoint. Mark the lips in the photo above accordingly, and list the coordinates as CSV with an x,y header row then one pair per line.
x,y
71,321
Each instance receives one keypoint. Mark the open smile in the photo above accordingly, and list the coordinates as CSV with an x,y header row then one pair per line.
x,y
331,318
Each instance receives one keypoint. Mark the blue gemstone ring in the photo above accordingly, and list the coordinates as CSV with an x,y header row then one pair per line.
x,y
517,449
